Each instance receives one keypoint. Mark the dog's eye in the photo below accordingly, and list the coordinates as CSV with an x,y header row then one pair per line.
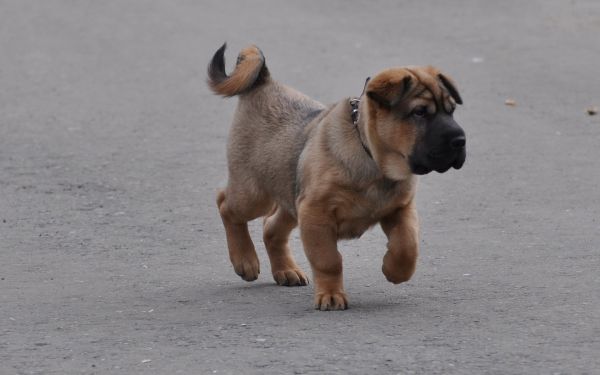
x,y
420,111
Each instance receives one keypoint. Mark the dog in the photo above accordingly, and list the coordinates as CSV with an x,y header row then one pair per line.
x,y
334,171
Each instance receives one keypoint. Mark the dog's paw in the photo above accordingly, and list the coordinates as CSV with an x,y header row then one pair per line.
x,y
290,277
397,276
331,301
247,269
397,272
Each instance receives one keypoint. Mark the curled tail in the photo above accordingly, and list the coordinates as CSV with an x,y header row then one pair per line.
x,y
250,71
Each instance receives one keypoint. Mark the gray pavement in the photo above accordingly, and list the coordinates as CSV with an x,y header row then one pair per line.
x,y
112,255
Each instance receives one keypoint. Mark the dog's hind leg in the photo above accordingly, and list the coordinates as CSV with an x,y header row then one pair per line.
x,y
276,230
236,209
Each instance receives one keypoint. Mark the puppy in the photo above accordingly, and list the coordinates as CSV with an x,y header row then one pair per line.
x,y
335,171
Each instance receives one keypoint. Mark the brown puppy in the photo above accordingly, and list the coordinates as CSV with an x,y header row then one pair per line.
x,y
335,171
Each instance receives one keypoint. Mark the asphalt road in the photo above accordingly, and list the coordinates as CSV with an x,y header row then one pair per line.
x,y
112,254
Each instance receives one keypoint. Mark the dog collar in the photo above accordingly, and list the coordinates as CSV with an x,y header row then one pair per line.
x,y
354,102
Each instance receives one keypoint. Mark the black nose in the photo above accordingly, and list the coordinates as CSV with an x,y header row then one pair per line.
x,y
458,142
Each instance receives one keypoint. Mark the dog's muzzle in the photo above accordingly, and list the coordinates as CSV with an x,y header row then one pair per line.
x,y
450,153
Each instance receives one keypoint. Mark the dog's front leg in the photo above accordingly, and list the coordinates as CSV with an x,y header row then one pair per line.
x,y
402,230
319,237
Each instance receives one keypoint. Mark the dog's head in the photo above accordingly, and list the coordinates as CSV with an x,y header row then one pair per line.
x,y
410,124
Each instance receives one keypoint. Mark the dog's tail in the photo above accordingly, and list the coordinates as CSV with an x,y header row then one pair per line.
x,y
250,72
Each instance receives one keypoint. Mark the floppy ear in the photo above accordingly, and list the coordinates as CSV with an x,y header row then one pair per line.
x,y
451,87
387,90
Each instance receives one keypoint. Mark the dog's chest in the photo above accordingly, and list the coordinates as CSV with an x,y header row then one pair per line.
x,y
360,210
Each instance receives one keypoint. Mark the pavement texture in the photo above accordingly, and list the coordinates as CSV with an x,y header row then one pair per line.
x,y
113,257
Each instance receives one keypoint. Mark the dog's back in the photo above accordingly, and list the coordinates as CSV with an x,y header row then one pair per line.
x,y
269,128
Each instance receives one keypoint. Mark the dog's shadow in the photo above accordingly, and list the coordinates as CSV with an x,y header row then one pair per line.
x,y
297,300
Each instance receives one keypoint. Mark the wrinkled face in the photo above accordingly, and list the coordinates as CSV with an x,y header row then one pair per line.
x,y
411,126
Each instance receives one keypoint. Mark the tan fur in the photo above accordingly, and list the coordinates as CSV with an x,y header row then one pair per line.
x,y
298,169
249,64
